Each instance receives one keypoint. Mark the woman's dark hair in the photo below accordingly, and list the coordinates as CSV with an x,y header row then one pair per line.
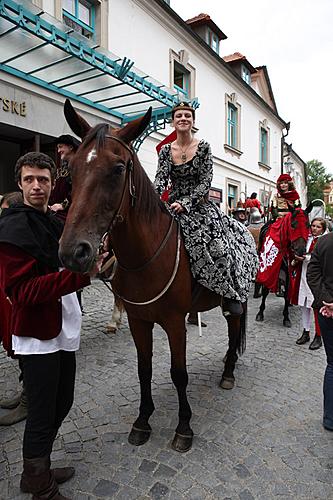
x,y
322,222
12,198
183,105
35,160
253,196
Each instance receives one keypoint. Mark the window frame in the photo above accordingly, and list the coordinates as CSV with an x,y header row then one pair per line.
x,y
213,38
91,28
234,146
180,60
246,74
264,161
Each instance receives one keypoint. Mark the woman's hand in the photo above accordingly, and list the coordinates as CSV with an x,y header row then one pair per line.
x,y
177,207
299,258
327,310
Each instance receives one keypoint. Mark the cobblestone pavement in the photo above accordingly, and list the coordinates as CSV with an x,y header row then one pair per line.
x,y
262,440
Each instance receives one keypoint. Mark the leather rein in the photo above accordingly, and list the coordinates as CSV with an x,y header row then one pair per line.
x,y
118,218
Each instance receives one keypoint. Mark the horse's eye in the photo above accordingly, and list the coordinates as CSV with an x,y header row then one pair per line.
x,y
118,169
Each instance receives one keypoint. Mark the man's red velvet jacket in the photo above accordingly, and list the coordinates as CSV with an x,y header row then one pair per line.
x,y
35,293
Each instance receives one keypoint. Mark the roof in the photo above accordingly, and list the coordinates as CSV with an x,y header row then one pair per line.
x,y
238,57
205,19
38,48
247,88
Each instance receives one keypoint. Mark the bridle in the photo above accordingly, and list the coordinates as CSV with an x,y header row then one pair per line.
x,y
118,218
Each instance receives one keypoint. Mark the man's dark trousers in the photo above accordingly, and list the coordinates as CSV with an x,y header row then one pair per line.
x,y
326,327
49,383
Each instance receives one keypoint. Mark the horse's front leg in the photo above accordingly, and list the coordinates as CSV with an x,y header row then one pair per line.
x,y
176,332
142,332
286,319
260,314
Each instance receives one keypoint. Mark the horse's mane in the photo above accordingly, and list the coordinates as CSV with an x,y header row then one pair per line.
x,y
147,201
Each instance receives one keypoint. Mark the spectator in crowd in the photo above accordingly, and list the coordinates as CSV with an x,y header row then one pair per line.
x,y
45,322
240,214
253,202
60,198
18,403
301,294
320,280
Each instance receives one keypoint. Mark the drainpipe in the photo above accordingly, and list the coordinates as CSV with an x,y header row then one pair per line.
x,y
282,143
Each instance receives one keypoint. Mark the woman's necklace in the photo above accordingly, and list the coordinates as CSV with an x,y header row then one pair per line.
x,y
183,155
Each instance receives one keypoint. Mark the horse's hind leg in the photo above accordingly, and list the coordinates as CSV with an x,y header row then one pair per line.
x,y
260,314
142,335
228,379
183,438
116,317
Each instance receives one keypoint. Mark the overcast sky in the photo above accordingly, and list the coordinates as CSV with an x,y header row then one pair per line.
x,y
294,39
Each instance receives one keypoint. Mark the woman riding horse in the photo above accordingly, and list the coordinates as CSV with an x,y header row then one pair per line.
x,y
222,254
153,275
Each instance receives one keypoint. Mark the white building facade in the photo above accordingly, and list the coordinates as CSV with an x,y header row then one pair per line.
x,y
237,113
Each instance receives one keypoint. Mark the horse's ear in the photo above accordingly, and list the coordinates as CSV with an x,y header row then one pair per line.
x,y
78,124
135,128
309,208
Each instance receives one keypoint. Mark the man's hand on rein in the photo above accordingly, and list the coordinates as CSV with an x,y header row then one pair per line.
x,y
98,264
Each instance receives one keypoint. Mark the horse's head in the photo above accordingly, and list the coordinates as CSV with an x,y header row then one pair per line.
x,y
102,186
296,227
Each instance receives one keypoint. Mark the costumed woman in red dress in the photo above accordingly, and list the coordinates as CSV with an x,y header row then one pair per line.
x,y
286,198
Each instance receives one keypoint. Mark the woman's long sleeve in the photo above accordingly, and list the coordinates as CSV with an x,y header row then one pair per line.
x,y
163,172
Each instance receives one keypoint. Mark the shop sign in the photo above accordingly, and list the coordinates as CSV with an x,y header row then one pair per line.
x,y
14,107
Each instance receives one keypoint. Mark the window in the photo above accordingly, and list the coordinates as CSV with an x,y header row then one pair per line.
x,y
232,125
213,41
181,79
79,15
263,146
232,196
182,74
246,75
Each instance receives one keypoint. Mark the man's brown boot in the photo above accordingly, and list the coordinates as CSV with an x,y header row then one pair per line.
x,y
38,479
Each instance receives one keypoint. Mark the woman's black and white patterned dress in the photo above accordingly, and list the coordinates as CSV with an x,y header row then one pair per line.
x,y
222,252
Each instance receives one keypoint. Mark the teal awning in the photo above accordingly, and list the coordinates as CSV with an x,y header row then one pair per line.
x,y
36,47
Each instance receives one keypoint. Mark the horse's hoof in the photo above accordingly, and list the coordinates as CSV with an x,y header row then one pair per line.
x,y
111,329
138,437
287,323
259,317
182,443
227,383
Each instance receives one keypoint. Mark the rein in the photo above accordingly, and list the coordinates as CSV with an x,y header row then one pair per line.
x,y
119,218
160,294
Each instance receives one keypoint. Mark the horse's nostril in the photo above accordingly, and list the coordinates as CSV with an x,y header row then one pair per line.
x,y
83,251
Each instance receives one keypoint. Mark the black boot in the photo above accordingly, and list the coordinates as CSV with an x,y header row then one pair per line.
x,y
304,338
316,343
192,319
231,307
38,479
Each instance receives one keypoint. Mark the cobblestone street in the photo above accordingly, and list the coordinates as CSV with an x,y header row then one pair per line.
x,y
262,440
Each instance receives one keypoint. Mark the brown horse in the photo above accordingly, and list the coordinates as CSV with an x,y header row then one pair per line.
x,y
112,194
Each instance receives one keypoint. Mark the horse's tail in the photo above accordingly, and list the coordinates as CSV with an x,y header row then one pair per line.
x,y
241,343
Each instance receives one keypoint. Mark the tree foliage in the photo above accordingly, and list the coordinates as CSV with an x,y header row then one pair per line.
x,y
317,179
